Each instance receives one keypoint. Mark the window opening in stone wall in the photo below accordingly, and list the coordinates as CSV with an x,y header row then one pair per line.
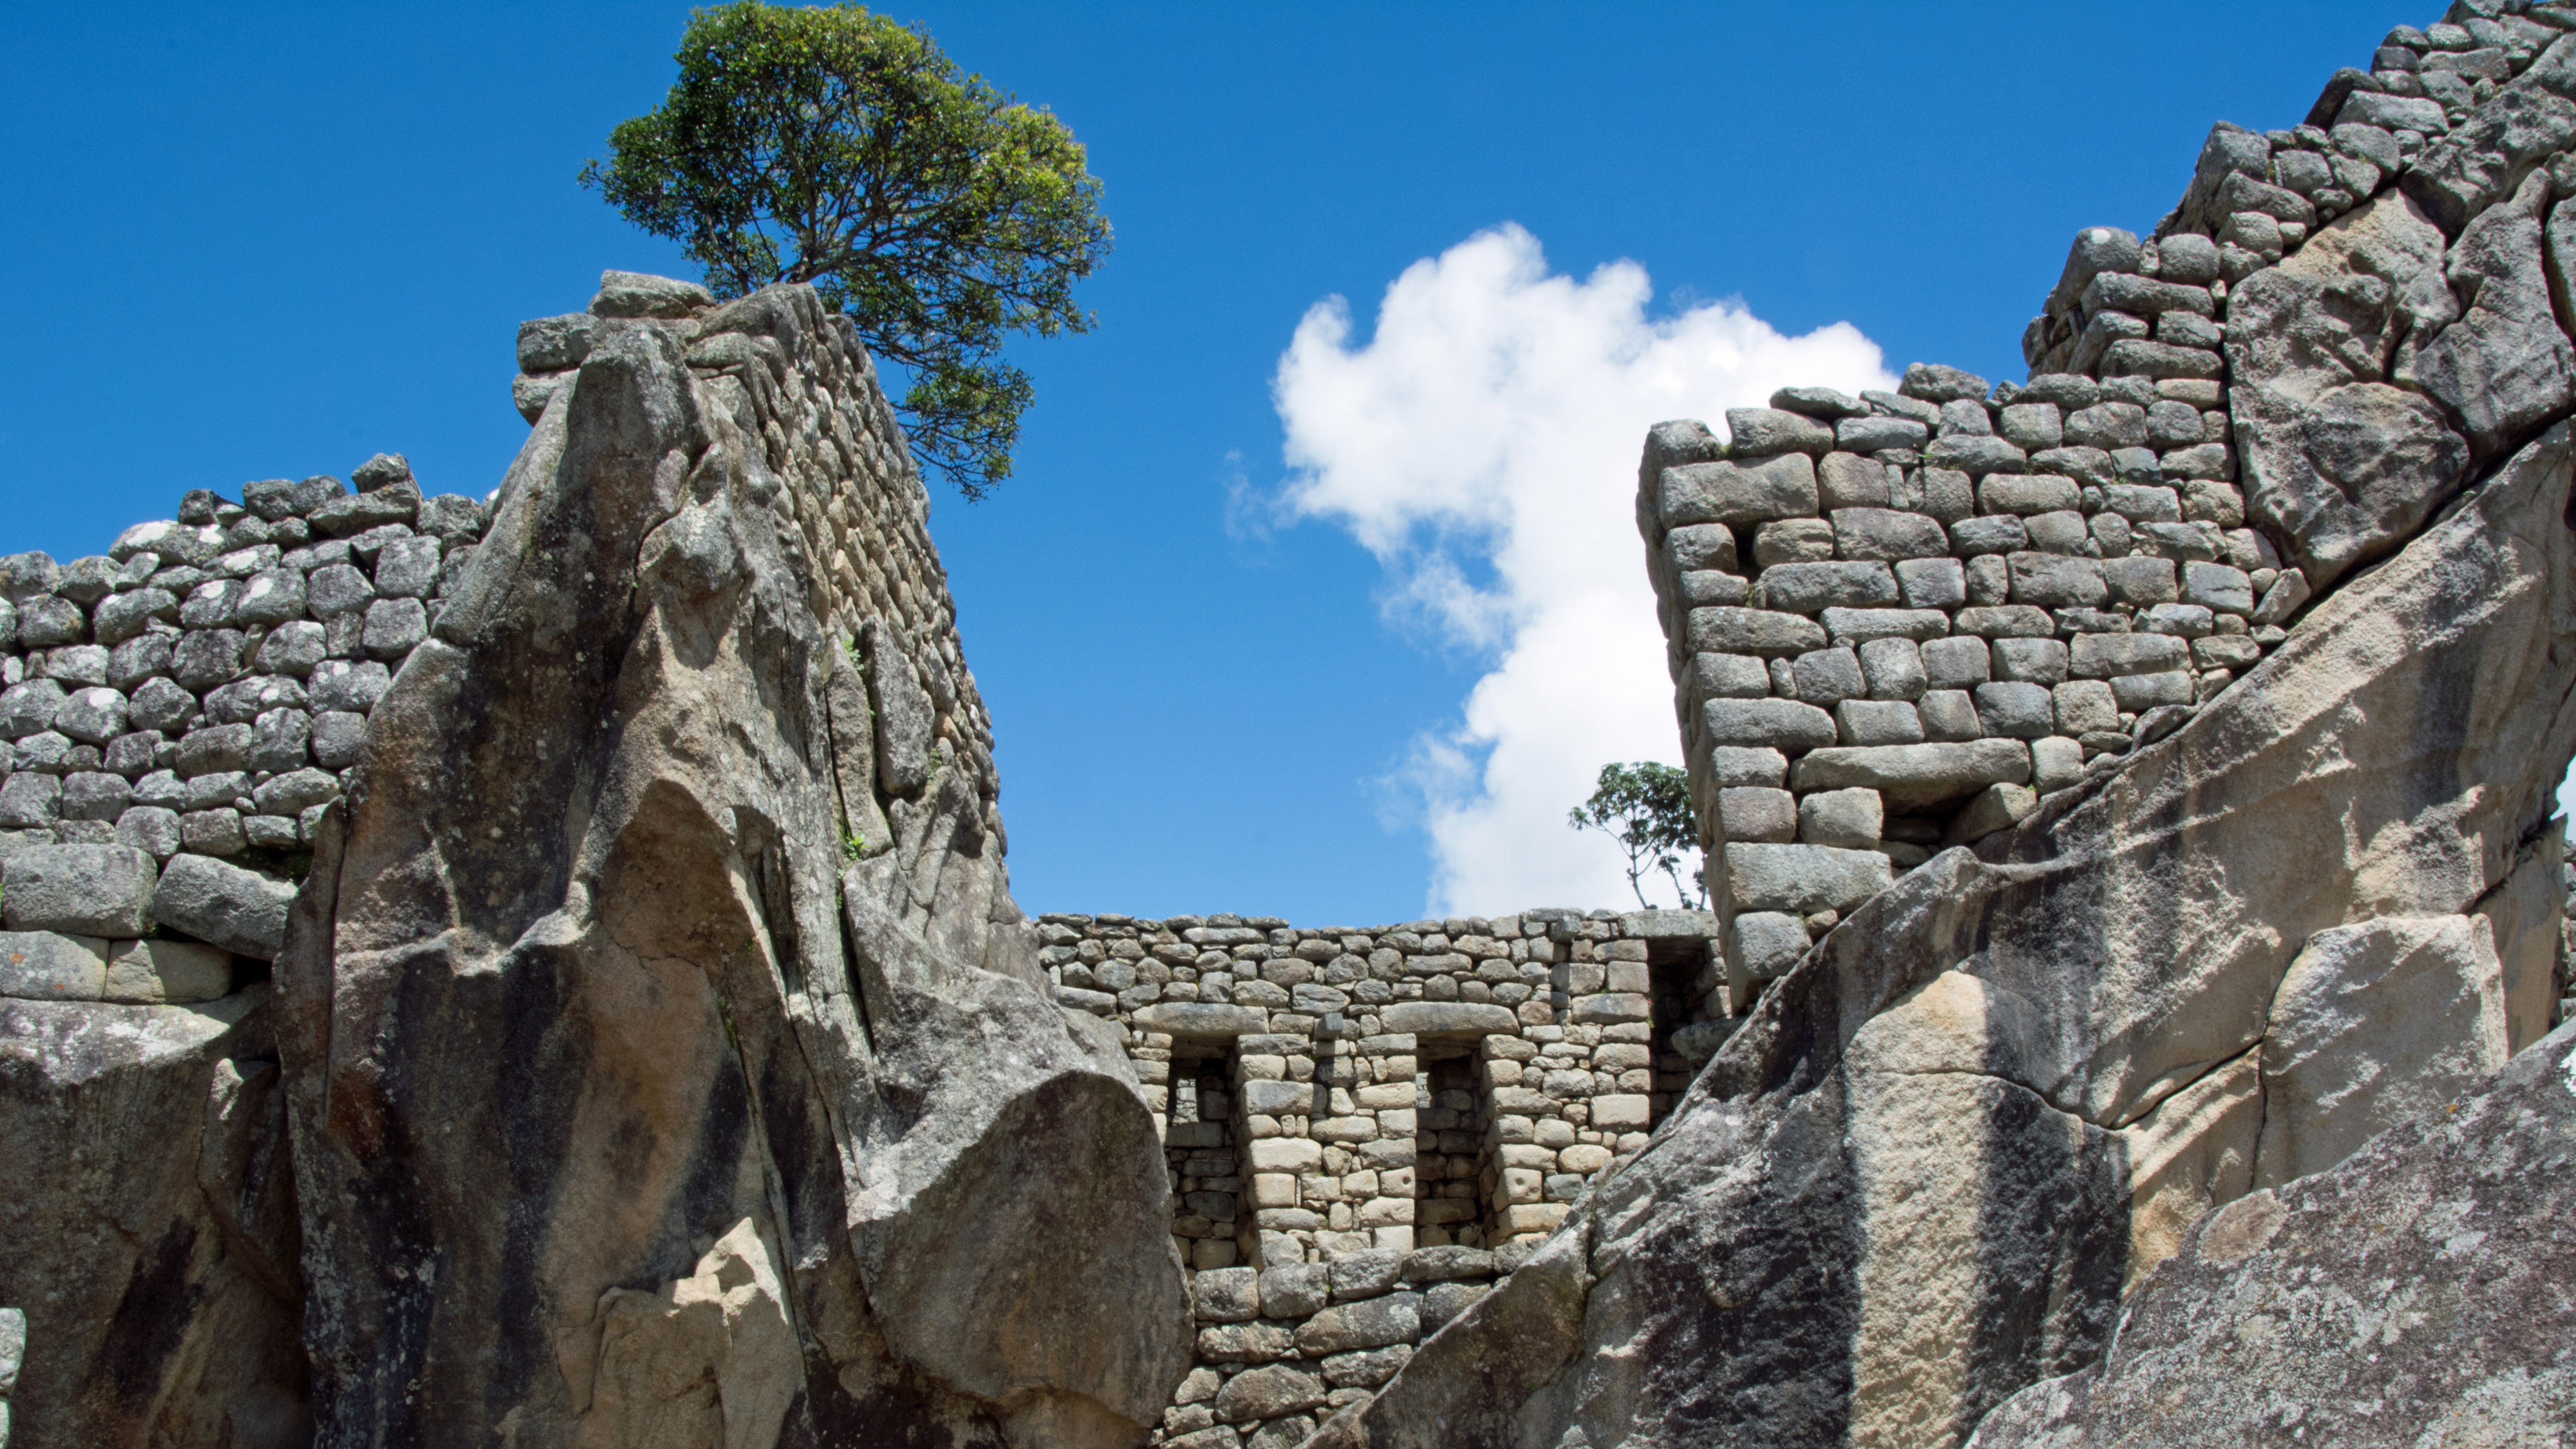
x,y
1680,974
1448,1147
1199,1145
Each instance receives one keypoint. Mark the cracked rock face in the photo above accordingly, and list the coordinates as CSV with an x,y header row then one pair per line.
x,y
610,1131
1920,1175
2418,1289
153,1225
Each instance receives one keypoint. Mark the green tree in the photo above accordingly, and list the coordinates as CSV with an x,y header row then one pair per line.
x,y
829,145
1646,808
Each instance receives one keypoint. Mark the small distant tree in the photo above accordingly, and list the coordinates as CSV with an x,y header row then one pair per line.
x,y
828,145
1646,808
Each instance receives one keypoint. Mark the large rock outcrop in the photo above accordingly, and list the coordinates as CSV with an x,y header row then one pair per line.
x,y
152,1226
1919,1175
609,1130
2415,1294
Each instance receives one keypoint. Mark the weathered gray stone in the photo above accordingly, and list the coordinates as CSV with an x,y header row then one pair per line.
x,y
2017,710
1806,878
1370,1323
1810,588
174,973
1877,722
2206,1356
1751,631
1779,723
2106,656
1267,1393
51,966
2343,465
1887,534
1912,777
1761,432
1226,1295
1825,677
240,910
1728,492
182,1328
84,890
1753,812
1860,626
1446,1019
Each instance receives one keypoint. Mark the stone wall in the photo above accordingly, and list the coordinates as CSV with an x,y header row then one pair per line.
x,y
1896,621
1368,1127
181,709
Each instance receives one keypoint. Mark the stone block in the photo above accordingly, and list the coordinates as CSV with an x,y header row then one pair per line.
x,y
1447,1264
1448,1019
1848,480
2218,587
1742,765
2141,579
1949,716
1893,669
2026,494
1730,676
1850,819
1932,583
1877,722
2084,706
1294,1290
1764,632
224,905
1811,588
2030,661
174,973
1753,813
2015,710
1227,1295
1792,540
1697,546
1274,1099
2108,656
1365,1274
1534,1217
1728,492
1765,944
1256,1342
1826,677
1372,1323
1620,1112
1283,1154
2006,621
1603,1008
1956,662
50,966
1859,626
84,890
1887,534
1872,434
2138,693
2056,763
2055,581
1809,878
1914,777
1996,533
1780,723
1763,432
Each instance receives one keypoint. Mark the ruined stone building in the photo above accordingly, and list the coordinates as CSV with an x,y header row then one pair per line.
x,y
539,968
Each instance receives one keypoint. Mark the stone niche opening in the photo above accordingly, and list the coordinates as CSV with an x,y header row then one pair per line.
x,y
1682,973
1449,1148
1200,1147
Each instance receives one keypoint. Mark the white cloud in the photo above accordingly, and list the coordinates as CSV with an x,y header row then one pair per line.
x,y
1483,445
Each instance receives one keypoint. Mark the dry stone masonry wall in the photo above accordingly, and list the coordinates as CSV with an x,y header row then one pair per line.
x,y
1896,621
1368,1127
179,711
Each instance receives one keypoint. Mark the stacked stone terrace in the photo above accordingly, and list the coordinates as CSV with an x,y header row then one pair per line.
x,y
1897,620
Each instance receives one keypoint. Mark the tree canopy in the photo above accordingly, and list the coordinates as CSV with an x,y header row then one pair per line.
x,y
1646,808
833,146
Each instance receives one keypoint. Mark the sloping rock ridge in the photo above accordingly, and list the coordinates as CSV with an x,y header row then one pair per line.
x,y
2418,1289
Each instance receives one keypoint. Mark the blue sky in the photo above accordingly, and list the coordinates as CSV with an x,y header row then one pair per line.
x,y
259,241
